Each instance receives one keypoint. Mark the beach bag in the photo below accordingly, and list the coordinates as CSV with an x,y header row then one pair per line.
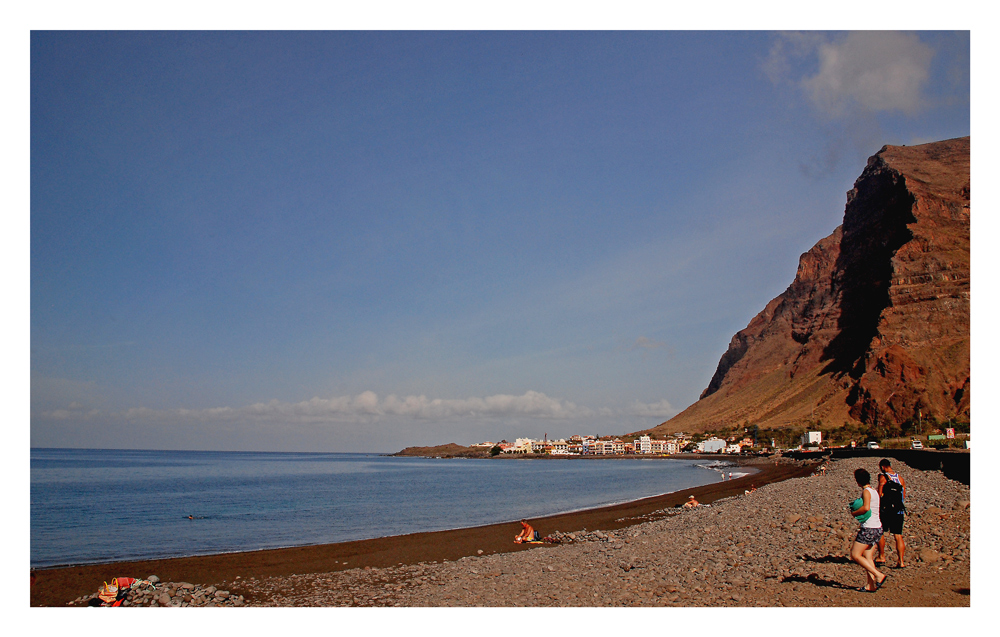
x,y
864,516
114,594
892,499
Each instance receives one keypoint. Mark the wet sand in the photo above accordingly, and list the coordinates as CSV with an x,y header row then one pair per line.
x,y
58,586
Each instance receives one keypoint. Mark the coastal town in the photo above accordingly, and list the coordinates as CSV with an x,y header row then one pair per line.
x,y
747,442
597,446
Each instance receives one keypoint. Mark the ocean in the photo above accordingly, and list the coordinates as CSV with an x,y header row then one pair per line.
x,y
92,506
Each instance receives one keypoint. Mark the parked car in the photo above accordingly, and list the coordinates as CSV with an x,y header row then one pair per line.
x,y
916,444
873,445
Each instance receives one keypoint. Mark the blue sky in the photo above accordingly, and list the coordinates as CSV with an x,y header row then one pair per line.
x,y
357,241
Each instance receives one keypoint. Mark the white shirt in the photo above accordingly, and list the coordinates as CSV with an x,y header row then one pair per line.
x,y
873,522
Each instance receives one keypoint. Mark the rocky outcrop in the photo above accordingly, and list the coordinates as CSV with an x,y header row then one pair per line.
x,y
450,450
875,326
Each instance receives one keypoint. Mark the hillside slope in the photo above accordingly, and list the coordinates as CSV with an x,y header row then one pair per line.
x,y
875,326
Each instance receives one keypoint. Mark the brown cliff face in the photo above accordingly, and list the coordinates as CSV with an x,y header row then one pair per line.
x,y
875,326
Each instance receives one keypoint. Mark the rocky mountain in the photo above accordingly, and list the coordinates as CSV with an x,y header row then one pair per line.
x,y
875,326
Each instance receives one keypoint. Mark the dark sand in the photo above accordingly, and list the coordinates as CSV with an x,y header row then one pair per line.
x,y
58,586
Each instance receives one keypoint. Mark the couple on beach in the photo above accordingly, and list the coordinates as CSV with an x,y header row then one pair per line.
x,y
879,511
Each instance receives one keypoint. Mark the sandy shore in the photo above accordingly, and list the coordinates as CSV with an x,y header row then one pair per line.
x,y
59,586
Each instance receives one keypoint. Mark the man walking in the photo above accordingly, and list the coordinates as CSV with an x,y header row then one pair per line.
x,y
892,494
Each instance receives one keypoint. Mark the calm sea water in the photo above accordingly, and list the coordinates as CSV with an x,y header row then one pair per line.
x,y
110,505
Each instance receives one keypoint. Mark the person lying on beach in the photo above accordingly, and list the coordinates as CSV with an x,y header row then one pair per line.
x,y
691,503
527,533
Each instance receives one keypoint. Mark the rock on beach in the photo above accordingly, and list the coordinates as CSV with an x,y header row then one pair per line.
x,y
153,593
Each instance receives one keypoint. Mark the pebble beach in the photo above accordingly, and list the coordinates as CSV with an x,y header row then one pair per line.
x,y
784,545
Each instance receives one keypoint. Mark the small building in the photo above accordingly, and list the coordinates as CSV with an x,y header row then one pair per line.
x,y
643,445
812,439
659,446
712,445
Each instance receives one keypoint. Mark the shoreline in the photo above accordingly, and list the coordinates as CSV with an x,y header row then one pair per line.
x,y
57,586
721,461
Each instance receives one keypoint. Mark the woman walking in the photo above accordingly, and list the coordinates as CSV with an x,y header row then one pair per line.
x,y
863,549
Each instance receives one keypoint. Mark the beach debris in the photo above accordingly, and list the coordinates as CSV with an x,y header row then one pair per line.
x,y
132,592
116,593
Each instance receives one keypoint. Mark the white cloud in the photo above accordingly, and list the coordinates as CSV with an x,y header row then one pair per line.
x,y
531,403
74,410
661,409
361,407
367,407
872,71
647,343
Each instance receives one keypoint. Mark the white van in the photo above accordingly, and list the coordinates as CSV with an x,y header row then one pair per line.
x,y
872,445
916,444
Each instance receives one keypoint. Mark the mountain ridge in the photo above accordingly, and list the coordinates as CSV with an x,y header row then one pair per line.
x,y
874,329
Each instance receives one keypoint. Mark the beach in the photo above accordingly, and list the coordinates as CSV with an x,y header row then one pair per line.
x,y
784,544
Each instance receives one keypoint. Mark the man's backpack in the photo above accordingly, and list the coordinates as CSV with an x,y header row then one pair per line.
x,y
892,498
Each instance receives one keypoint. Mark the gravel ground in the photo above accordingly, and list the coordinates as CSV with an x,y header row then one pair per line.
x,y
784,545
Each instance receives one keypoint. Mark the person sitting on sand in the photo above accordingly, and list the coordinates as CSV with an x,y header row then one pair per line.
x,y
863,548
527,533
691,503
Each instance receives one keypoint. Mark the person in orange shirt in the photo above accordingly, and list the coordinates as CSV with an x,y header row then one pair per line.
x,y
527,533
